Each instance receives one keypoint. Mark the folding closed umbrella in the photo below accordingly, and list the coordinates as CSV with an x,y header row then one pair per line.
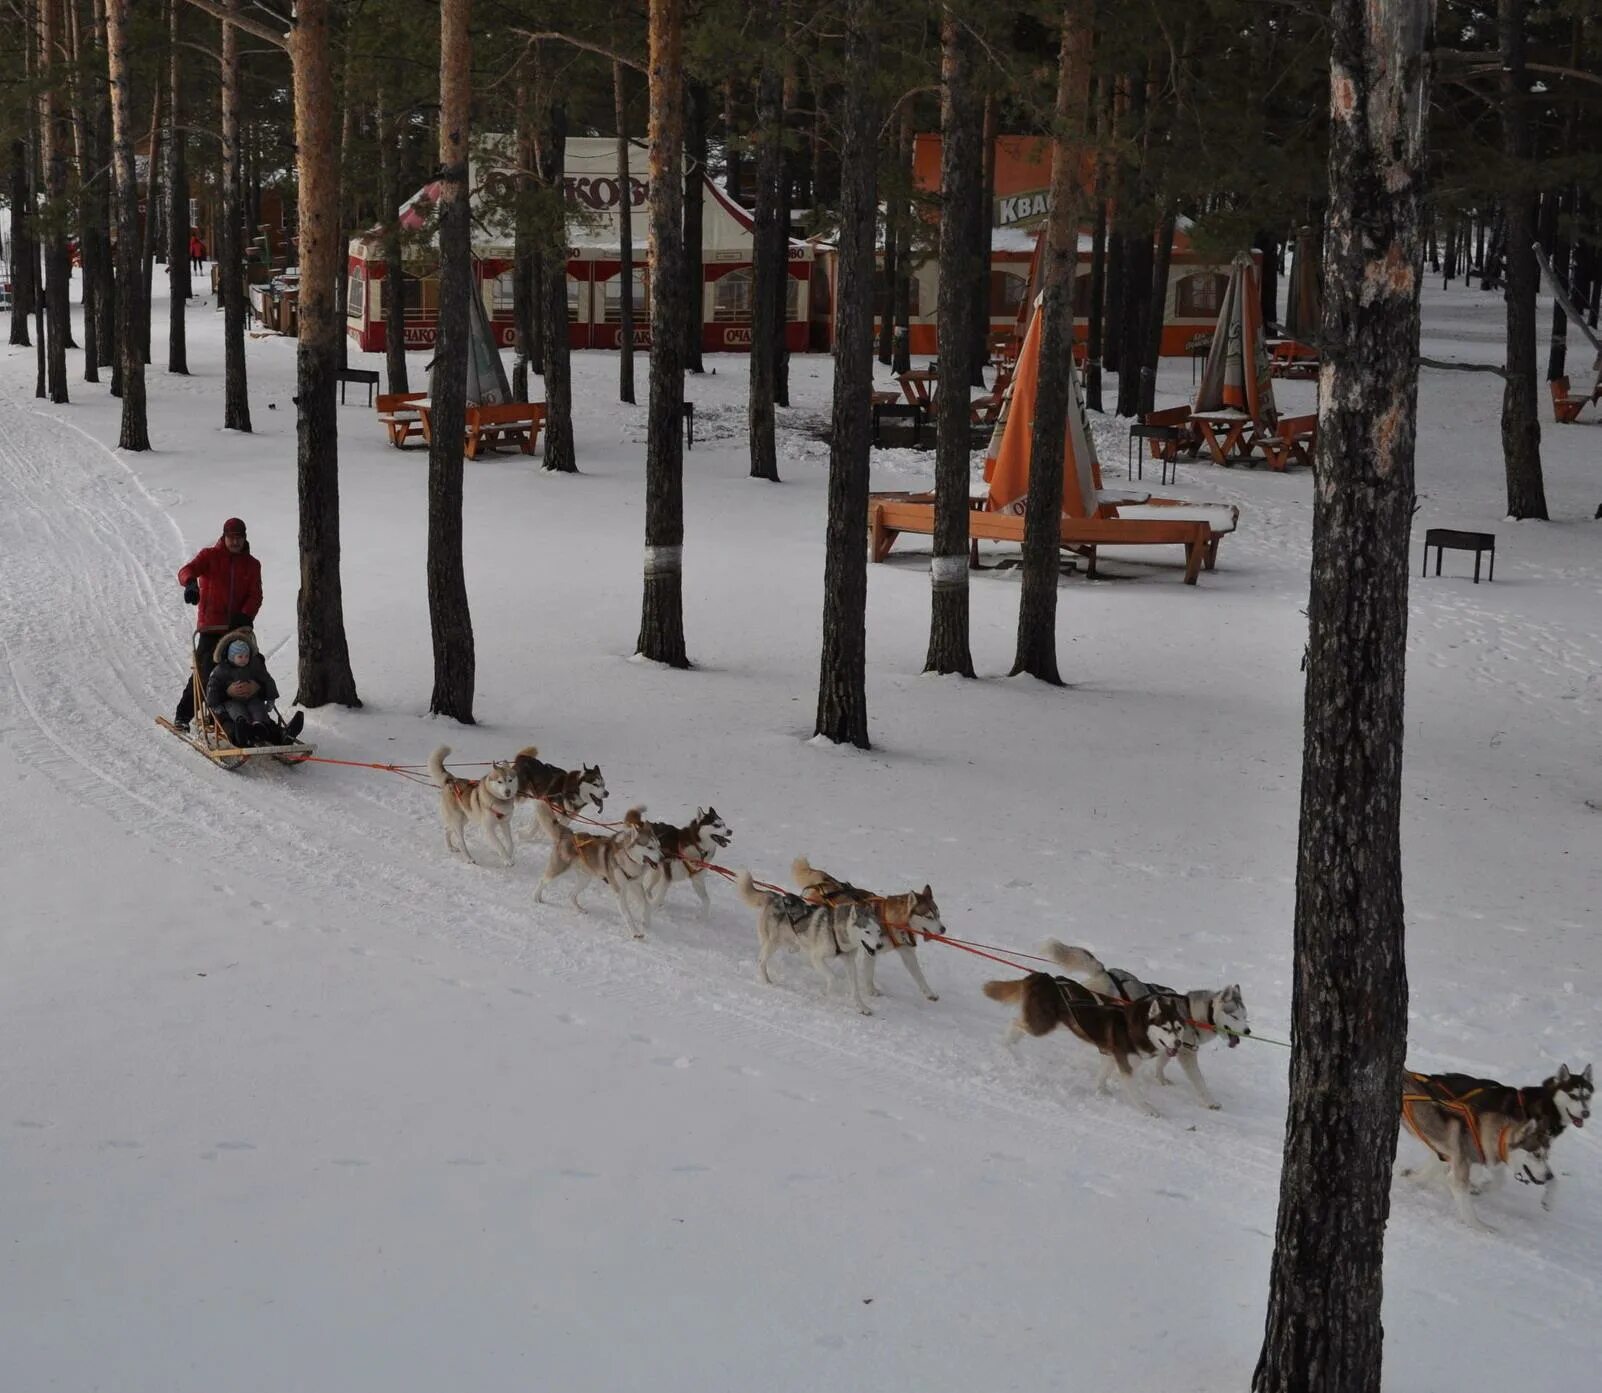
x,y
1236,376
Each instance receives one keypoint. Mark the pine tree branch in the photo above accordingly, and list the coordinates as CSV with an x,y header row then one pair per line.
x,y
613,55
254,27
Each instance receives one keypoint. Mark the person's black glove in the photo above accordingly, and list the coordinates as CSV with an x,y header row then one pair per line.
x,y
192,593
241,621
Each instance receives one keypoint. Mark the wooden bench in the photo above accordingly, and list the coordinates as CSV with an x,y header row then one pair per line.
x,y
1292,360
399,416
1450,537
1291,441
508,423
1567,405
362,377
889,516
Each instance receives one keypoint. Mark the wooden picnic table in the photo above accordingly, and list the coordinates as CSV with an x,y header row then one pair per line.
x,y
1224,434
919,387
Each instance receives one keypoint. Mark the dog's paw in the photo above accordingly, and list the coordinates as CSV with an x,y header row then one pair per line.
x,y
932,996
1215,1107
865,1010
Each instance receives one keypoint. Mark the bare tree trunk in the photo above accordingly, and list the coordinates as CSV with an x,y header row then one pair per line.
x,y
894,211
696,100
901,293
179,285
1349,1003
1042,549
55,133
393,290
842,690
1157,305
733,173
105,200
22,257
1097,289
961,180
662,605
982,207
449,621
1521,426
89,162
230,240
147,279
781,283
768,247
325,674
561,457
625,240
525,283
135,431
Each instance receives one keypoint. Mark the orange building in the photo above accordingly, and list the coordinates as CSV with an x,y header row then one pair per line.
x,y
1196,282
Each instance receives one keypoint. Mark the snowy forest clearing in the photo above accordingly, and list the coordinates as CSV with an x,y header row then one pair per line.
x,y
296,1100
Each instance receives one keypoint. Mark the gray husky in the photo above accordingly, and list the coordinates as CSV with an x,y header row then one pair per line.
x,y
1219,1012
820,931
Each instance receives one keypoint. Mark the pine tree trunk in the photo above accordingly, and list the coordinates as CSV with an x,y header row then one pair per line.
x,y
1138,256
781,282
893,213
961,182
842,691
1521,426
88,166
560,454
1268,291
767,264
662,606
1157,306
325,674
230,241
1556,240
1098,288
179,285
1349,1002
449,621
105,201
525,282
135,432
393,289
901,296
22,258
625,239
982,219
733,172
696,102
147,279
1042,548
55,156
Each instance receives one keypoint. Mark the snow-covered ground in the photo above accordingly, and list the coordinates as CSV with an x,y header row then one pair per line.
x,y
293,1099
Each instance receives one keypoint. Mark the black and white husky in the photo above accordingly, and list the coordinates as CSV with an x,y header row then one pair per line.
x,y
487,801
686,851
1219,1012
820,931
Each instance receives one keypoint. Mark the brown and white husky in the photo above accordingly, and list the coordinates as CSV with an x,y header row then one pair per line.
x,y
556,792
685,851
905,918
623,861
487,801
1126,1032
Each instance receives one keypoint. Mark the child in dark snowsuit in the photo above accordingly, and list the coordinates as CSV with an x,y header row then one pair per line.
x,y
240,693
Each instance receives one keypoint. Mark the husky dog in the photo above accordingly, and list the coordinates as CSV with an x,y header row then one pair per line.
x,y
1125,1032
623,861
487,801
1561,1101
555,790
1468,1122
904,918
684,850
1221,1012
820,931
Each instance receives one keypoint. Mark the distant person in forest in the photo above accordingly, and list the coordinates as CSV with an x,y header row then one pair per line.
x,y
225,582
197,252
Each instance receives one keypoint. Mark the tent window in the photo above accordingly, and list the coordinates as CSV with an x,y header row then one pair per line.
x,y
1007,292
572,301
356,295
731,298
502,294
1082,296
1199,296
612,308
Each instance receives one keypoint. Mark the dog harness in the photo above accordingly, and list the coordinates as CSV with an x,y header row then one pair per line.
x,y
1431,1089
898,931
463,789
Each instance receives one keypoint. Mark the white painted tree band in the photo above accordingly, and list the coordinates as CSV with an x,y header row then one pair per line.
x,y
663,561
949,570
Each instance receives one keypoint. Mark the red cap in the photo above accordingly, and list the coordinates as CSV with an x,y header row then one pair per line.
x,y
234,527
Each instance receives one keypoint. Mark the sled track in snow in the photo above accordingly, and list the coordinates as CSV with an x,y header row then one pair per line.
x,y
86,560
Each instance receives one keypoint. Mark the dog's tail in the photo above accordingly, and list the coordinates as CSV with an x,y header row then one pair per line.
x,y
529,752
1010,989
436,765
748,891
803,872
1079,962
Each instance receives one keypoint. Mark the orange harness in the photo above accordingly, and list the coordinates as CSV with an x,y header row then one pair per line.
x,y
461,788
1430,1090
898,930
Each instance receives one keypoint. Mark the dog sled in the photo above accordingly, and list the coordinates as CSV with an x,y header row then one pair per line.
x,y
207,735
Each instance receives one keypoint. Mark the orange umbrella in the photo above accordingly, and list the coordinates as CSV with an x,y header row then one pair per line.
x,y
1236,376
1007,458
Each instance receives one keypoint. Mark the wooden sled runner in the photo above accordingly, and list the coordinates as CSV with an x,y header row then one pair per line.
x,y
207,735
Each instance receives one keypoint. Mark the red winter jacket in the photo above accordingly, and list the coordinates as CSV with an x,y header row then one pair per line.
x,y
229,585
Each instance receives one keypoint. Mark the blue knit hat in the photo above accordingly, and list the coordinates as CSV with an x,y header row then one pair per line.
x,y
238,649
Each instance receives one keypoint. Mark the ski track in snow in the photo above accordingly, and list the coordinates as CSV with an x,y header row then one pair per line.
x,y
86,555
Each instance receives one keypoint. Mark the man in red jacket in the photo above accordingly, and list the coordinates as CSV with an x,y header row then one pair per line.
x,y
225,581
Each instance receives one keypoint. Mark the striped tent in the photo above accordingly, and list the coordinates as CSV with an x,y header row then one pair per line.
x,y
1236,376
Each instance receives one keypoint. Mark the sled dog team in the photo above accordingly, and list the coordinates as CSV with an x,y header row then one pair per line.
x,y
1463,1121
